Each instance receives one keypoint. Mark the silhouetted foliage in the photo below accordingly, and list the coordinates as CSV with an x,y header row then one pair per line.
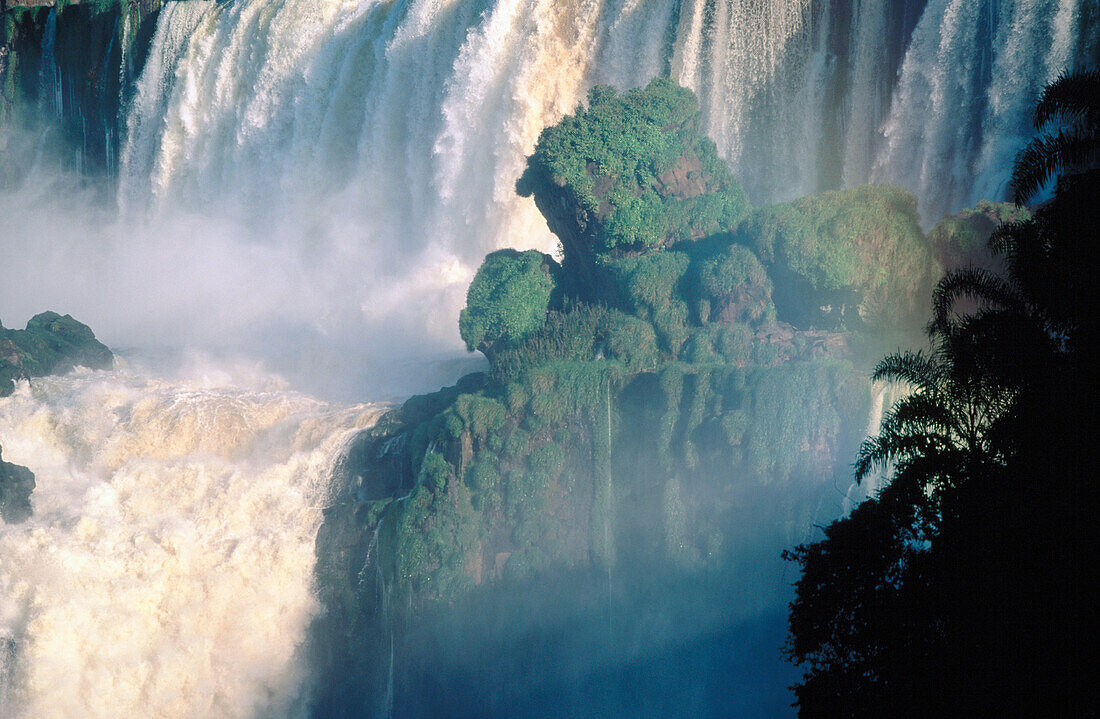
x,y
1073,102
958,589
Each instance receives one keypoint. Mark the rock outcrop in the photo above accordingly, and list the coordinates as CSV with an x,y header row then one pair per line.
x,y
845,260
69,67
16,485
628,174
962,240
660,423
51,344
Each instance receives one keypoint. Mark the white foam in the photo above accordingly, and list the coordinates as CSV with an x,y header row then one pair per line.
x,y
167,571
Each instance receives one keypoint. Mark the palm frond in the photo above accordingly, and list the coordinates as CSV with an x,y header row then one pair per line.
x,y
913,367
973,282
920,413
1049,155
1006,239
874,453
1074,97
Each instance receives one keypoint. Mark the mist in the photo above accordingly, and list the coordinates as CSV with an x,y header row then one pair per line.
x,y
231,282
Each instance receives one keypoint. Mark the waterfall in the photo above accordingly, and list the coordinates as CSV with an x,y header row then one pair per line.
x,y
380,141
962,108
748,62
49,74
168,568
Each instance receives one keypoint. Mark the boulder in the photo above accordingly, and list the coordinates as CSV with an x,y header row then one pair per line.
x,y
51,344
16,485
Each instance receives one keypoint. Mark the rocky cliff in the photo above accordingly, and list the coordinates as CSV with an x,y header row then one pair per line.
x,y
652,418
50,344
68,68
16,485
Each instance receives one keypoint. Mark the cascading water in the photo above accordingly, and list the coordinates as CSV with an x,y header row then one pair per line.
x,y
168,569
380,142
962,108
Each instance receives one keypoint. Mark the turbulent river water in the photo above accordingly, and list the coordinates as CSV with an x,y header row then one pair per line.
x,y
167,571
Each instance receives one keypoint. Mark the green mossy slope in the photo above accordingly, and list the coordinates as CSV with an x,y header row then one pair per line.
x,y
845,259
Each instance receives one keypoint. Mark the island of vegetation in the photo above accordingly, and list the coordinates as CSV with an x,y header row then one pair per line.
x,y
686,375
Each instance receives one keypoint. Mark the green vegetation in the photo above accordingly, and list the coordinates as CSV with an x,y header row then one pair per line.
x,y
960,240
508,299
637,164
687,382
636,392
858,253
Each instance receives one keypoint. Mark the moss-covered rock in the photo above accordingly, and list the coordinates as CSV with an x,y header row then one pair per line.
x,y
730,285
664,411
51,344
79,91
630,173
962,239
845,259
508,299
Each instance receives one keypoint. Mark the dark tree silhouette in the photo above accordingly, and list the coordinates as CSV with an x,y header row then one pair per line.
x,y
1073,102
959,590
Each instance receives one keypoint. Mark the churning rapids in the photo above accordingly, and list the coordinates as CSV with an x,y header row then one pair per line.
x,y
167,571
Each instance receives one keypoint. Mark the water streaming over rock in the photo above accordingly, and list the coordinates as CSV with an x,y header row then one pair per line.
x,y
167,571
962,108
389,135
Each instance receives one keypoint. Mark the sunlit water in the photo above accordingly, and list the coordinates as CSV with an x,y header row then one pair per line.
x,y
327,176
167,571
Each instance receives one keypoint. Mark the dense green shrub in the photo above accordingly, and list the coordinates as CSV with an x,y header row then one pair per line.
x,y
435,529
961,239
581,334
651,289
731,285
862,246
638,169
508,299
631,341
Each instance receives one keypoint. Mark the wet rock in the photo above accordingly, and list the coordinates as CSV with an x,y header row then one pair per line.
x,y
16,485
51,344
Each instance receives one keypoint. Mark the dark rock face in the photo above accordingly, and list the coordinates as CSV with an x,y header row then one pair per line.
x,y
51,344
16,485
98,50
